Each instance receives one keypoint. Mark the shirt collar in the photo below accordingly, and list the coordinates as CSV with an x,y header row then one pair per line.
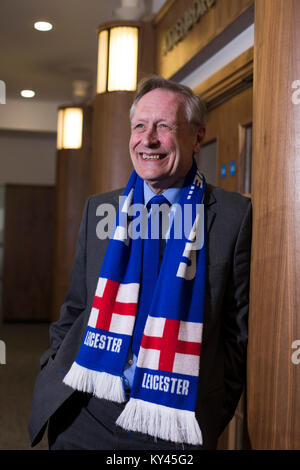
x,y
171,194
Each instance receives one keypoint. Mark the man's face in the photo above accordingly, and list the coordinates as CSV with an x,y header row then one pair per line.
x,y
162,143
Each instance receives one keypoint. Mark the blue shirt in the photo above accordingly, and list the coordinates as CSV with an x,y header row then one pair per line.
x,y
172,195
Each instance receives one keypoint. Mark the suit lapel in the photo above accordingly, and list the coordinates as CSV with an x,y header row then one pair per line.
x,y
115,198
209,200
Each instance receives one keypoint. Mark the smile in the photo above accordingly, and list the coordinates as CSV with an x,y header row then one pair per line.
x,y
152,157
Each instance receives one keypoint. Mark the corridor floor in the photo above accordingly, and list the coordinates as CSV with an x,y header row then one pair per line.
x,y
24,344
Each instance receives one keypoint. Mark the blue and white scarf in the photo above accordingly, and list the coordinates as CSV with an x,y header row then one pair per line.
x,y
164,391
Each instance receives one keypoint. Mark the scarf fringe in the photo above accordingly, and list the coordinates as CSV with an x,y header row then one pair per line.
x,y
100,384
161,422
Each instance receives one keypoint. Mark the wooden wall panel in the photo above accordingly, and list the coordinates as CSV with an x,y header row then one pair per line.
x,y
28,252
210,25
224,125
228,81
273,379
111,163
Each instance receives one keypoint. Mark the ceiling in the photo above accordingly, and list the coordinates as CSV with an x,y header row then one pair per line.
x,y
48,62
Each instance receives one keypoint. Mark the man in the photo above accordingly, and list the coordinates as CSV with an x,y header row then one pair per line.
x,y
123,370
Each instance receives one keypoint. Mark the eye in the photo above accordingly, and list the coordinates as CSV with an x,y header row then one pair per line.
x,y
162,125
139,126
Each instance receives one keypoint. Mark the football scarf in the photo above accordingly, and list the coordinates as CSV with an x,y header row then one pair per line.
x,y
164,391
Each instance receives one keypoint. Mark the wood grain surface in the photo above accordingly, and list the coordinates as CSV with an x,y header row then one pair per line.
x,y
273,379
210,25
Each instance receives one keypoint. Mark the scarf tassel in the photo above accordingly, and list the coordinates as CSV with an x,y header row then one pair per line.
x,y
100,384
161,422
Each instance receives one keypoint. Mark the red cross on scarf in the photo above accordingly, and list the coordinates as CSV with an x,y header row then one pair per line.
x,y
107,305
169,344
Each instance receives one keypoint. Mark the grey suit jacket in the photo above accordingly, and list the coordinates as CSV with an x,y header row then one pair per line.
x,y
223,353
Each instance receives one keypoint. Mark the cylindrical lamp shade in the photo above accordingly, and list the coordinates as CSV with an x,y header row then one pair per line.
x,y
69,128
117,59
102,61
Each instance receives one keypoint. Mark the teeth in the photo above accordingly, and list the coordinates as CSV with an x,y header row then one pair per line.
x,y
150,157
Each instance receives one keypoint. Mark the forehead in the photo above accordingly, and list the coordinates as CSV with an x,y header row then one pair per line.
x,y
160,103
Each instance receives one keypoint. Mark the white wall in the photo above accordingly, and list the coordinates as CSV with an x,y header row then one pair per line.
x,y
27,157
28,141
29,115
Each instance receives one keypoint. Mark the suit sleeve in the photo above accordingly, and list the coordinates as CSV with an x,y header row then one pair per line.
x,y
235,320
75,301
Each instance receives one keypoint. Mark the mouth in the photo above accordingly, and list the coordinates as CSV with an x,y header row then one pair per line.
x,y
156,157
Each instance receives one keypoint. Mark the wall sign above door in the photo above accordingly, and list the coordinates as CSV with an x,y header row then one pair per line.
x,y
182,26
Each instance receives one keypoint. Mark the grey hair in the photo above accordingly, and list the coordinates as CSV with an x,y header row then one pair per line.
x,y
195,108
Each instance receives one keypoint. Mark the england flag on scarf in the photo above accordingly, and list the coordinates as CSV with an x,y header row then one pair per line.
x,y
114,306
168,363
175,346
109,327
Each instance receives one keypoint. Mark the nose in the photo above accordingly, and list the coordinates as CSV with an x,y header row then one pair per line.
x,y
150,137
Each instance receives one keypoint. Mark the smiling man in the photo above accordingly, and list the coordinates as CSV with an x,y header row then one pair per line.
x,y
123,370
162,140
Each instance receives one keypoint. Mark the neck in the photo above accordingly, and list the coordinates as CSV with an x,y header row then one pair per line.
x,y
159,186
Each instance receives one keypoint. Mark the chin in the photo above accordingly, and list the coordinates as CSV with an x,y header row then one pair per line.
x,y
152,177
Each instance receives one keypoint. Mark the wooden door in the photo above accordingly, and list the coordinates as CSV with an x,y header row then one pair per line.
x,y
28,252
228,96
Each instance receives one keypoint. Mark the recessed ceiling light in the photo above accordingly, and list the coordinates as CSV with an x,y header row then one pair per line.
x,y
27,93
43,26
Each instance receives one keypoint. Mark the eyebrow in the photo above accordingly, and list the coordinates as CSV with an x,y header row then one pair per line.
x,y
144,120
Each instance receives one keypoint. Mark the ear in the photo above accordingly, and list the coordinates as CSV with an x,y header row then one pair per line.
x,y
200,135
